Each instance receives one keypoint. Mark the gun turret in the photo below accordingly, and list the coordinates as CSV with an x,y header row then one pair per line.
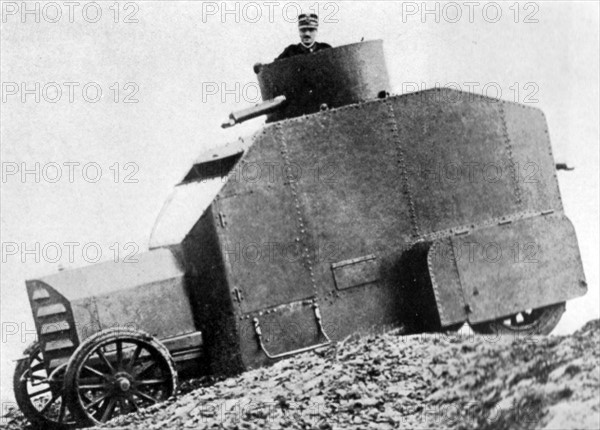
x,y
326,79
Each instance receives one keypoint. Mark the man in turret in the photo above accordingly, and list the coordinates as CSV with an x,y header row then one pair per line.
x,y
308,27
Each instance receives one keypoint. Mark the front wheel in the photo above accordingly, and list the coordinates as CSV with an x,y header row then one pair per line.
x,y
38,396
540,321
116,372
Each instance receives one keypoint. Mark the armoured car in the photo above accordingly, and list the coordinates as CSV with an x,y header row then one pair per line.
x,y
350,211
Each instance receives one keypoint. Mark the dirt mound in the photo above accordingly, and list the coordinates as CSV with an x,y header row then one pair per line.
x,y
393,381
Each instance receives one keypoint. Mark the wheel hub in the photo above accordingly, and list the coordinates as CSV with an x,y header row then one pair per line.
x,y
123,384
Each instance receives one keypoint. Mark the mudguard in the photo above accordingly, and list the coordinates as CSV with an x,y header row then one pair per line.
x,y
493,272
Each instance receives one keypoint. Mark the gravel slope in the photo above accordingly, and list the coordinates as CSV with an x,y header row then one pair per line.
x,y
392,381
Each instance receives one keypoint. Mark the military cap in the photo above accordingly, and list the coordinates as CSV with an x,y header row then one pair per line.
x,y
308,21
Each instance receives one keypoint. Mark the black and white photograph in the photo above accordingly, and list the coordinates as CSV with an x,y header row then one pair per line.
x,y
300,215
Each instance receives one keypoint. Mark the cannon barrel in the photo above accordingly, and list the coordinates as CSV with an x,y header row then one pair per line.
x,y
263,108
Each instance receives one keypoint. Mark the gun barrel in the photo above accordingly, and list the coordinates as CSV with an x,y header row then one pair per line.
x,y
263,108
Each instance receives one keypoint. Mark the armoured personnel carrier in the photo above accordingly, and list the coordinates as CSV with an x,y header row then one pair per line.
x,y
350,211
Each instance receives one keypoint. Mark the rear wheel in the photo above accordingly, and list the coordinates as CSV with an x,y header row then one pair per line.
x,y
116,372
530,322
38,396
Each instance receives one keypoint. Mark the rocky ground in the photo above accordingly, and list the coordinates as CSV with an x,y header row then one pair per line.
x,y
391,381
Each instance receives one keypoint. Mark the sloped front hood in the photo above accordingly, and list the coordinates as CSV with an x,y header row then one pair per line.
x,y
109,277
147,293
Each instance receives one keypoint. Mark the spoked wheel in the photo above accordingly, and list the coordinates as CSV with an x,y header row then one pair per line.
x,y
116,372
38,396
530,322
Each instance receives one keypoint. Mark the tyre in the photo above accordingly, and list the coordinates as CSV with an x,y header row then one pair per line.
x,y
540,321
39,398
115,372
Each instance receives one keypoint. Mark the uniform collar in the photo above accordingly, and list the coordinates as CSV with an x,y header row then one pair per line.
x,y
310,47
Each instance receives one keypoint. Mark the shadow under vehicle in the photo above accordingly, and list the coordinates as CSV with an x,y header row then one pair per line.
x,y
350,211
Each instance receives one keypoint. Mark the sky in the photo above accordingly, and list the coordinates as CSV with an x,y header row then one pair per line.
x,y
129,95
